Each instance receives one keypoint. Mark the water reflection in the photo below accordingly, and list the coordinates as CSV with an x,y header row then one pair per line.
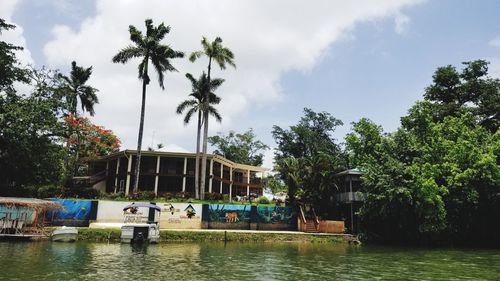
x,y
240,261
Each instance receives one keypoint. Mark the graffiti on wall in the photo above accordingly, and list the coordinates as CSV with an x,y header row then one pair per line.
x,y
179,212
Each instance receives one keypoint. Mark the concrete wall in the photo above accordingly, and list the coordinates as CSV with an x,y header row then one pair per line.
x,y
180,216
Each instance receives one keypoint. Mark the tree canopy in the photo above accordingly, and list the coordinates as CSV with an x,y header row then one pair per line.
x,y
239,147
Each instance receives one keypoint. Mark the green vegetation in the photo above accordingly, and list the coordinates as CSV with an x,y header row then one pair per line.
x,y
240,148
113,235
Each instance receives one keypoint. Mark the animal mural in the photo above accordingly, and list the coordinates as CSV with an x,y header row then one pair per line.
x,y
74,212
229,213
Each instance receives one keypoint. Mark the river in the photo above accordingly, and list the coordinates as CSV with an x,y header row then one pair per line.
x,y
44,260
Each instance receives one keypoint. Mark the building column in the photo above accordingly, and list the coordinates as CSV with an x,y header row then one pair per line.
x,y
184,174
107,168
129,168
248,184
230,184
221,176
116,174
211,175
157,177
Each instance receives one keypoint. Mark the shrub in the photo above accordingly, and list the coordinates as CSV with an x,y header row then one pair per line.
x,y
263,200
225,197
49,191
213,196
114,196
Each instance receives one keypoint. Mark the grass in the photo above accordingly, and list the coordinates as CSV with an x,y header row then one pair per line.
x,y
113,235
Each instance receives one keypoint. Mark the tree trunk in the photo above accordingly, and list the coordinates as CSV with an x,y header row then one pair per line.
x,y
205,134
145,80
197,162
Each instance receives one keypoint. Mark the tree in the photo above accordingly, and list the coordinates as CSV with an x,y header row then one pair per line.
x,y
9,66
240,148
453,93
147,48
74,88
222,56
308,151
197,105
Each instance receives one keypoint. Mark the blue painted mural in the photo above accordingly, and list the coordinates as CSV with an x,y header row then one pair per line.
x,y
229,213
74,212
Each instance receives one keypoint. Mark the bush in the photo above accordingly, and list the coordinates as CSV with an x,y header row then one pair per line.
x,y
263,200
213,196
144,195
225,197
114,196
49,191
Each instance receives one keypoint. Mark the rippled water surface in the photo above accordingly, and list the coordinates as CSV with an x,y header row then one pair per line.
x,y
241,261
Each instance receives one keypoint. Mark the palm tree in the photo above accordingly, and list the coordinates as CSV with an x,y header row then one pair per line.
x,y
222,56
197,105
73,88
147,48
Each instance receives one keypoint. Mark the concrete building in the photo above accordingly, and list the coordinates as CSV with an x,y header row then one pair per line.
x,y
173,172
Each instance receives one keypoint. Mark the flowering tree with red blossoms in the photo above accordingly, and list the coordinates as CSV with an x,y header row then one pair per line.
x,y
87,141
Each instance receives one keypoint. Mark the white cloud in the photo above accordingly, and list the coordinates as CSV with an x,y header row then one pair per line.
x,y
14,36
267,39
495,42
401,22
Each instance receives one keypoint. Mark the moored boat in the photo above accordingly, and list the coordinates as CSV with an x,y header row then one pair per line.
x,y
65,234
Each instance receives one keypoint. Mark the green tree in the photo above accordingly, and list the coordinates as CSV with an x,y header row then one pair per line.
x,y
240,148
197,105
310,143
74,88
148,48
9,66
221,56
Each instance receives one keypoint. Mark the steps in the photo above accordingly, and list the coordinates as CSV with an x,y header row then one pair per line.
x,y
311,227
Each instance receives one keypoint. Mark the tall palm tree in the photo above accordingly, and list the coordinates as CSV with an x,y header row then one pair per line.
x,y
197,105
74,88
222,56
147,48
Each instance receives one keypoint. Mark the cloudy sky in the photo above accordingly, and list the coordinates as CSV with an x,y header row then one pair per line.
x,y
351,58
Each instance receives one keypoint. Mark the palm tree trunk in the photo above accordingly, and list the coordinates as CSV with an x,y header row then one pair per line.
x,y
205,134
135,186
197,162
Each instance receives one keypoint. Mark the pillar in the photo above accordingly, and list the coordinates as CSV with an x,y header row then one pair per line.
x,y
230,184
129,168
184,174
157,177
211,175
221,176
248,184
117,170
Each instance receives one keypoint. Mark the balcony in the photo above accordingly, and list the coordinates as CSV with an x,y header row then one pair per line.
x,y
348,197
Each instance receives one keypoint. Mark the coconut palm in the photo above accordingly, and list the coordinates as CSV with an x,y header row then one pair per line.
x,y
147,48
221,56
197,105
73,88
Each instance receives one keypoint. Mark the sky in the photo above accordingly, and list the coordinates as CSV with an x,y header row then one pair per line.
x,y
352,59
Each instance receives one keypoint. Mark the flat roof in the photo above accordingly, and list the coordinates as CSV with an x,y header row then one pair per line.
x,y
216,157
354,171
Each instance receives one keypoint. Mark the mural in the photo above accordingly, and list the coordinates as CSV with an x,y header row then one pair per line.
x,y
274,215
229,213
180,215
74,212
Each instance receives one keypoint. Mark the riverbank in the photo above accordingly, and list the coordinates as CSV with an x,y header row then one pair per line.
x,y
202,235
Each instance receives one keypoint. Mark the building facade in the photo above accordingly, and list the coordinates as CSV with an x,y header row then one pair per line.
x,y
173,172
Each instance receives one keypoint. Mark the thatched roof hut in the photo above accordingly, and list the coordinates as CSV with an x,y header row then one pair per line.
x,y
37,204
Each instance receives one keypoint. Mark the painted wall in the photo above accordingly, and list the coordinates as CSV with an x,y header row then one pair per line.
x,y
73,213
16,213
112,211
180,216
226,216
276,218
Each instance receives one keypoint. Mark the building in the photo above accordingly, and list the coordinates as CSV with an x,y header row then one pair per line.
x,y
350,196
173,172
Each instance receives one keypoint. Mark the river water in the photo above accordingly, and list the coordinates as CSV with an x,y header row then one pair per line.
x,y
241,261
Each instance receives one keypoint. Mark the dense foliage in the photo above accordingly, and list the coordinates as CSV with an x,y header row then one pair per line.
x,y
437,178
307,158
239,147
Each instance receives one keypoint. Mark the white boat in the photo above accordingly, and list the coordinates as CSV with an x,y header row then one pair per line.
x,y
65,234
136,231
